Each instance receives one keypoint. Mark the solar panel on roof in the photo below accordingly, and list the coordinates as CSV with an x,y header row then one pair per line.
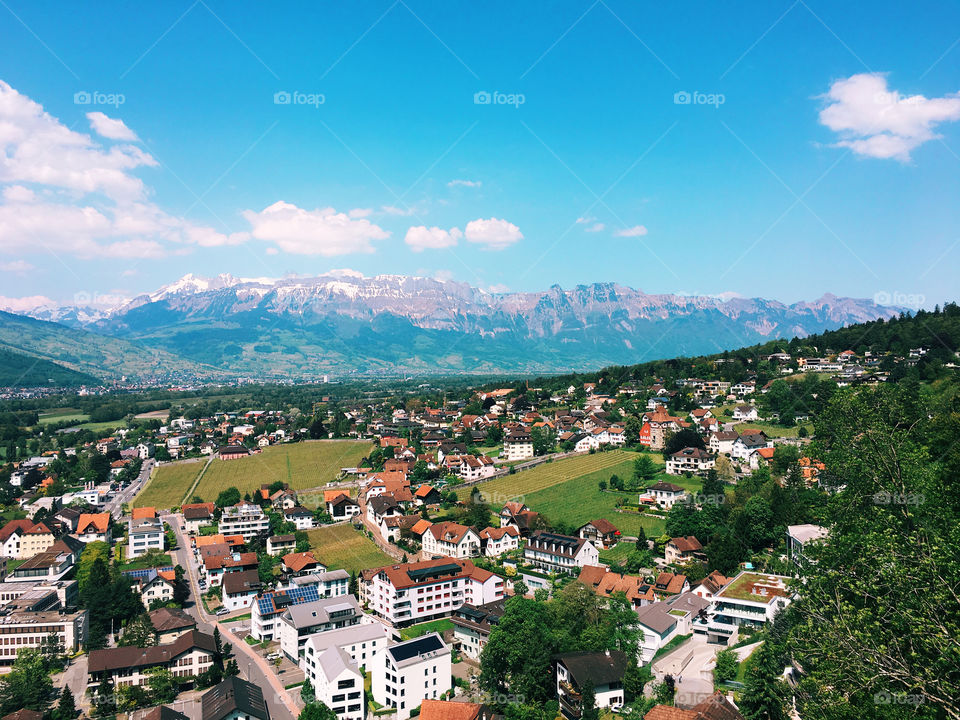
x,y
418,646
435,571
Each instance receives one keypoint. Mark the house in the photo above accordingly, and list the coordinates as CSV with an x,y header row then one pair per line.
x,y
341,506
143,535
668,583
299,516
745,412
392,526
752,599
605,583
664,494
232,452
219,560
170,623
281,544
283,499
302,563
683,549
455,710
406,674
50,565
234,699
747,443
426,495
472,625
600,671
721,442
298,622
760,457
382,506
141,513
267,608
661,622
559,553
451,539
414,592
11,537
496,541
197,515
656,426
240,588
689,460
153,585
711,585
36,540
602,533
244,519
337,683
186,657
801,536
93,527
524,520
714,707
518,445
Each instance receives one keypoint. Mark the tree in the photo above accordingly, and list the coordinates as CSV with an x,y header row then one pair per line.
x,y
139,632
520,588
726,666
682,439
316,711
516,658
764,694
27,686
91,552
67,707
163,685
228,497
644,471
588,703
307,693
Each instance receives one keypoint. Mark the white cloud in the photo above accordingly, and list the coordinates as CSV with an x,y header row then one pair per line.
x,y
20,304
443,275
497,288
322,231
111,128
421,238
584,220
465,183
494,234
16,266
635,231
595,228
403,212
65,193
877,122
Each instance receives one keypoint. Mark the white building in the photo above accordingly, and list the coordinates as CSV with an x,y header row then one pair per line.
x,y
663,493
143,535
413,592
518,445
601,671
496,541
299,622
245,519
751,598
690,459
406,674
451,539
559,553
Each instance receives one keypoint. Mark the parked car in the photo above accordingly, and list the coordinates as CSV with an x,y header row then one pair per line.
x,y
223,611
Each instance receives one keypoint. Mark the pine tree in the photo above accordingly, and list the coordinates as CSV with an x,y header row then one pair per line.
x,y
764,697
588,704
67,707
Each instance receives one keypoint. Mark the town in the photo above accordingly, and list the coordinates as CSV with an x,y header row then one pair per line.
x,y
635,545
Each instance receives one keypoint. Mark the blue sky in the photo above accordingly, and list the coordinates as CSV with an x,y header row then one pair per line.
x,y
819,150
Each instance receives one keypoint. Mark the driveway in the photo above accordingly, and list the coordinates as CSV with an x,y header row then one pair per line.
x,y
691,665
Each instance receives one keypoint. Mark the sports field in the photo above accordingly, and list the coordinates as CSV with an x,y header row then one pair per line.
x,y
343,546
168,484
303,465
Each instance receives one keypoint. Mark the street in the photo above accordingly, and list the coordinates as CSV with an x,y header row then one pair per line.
x,y
114,506
252,666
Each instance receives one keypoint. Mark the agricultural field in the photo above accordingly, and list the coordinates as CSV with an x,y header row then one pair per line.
x,y
343,546
582,467
567,491
302,465
63,415
168,484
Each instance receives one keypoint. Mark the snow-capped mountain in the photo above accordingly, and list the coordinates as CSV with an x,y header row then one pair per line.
x,y
345,321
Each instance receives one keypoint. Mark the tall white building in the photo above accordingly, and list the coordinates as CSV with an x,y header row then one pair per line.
x,y
143,535
406,674
244,519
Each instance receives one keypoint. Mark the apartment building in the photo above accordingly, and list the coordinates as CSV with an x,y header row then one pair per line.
x,y
452,540
143,535
406,674
298,622
245,519
559,553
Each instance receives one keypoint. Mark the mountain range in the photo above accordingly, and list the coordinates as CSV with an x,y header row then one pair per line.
x,y
343,322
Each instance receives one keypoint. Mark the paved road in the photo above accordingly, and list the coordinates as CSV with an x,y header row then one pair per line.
x,y
252,666
115,505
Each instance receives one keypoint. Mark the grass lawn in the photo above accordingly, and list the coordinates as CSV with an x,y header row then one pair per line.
x,y
302,465
582,467
343,546
578,500
63,415
669,647
415,631
143,562
617,553
773,430
168,484
97,426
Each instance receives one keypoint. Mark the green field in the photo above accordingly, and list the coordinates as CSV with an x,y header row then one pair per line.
x,y
343,546
598,465
773,431
302,465
168,484
437,626
63,415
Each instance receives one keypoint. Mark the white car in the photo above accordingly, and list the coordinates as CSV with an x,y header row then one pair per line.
x,y
222,611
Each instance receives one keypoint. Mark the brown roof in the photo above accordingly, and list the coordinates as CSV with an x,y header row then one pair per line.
x,y
194,506
449,710
448,531
715,707
135,657
239,582
492,533
21,525
399,577
162,712
422,492
39,529
143,512
168,619
421,527
670,583
24,715
604,526
98,521
299,561
607,583
687,544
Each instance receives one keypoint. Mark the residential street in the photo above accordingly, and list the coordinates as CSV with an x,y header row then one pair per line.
x,y
252,666
128,493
